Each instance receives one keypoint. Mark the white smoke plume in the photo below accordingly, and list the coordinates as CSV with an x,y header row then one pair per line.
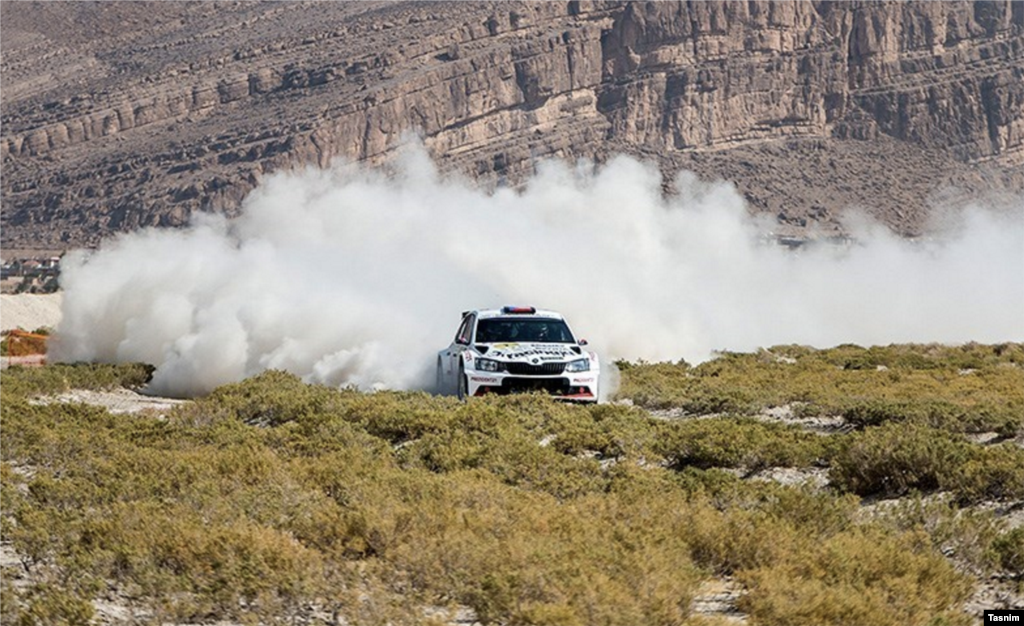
x,y
350,276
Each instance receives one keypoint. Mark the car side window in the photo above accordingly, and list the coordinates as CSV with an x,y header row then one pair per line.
x,y
465,331
468,335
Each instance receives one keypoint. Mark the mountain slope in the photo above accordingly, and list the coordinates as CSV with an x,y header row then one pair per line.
x,y
123,115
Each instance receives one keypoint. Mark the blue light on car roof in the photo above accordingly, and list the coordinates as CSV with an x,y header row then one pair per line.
x,y
518,309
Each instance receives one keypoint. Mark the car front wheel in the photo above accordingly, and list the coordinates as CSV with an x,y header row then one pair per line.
x,y
463,392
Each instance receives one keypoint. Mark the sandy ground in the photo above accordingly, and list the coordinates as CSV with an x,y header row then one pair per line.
x,y
116,401
29,311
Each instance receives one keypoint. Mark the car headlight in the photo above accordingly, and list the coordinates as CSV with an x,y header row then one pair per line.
x,y
488,365
579,365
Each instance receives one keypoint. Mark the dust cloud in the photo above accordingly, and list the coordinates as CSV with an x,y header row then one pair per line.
x,y
353,276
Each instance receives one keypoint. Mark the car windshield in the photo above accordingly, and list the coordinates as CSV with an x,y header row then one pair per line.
x,y
540,330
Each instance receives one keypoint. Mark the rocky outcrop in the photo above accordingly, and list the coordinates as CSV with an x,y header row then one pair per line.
x,y
122,115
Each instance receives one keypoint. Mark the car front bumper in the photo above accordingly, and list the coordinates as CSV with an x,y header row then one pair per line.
x,y
581,386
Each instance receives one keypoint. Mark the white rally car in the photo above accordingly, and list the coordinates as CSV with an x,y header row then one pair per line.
x,y
517,349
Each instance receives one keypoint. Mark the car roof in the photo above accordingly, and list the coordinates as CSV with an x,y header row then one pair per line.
x,y
492,313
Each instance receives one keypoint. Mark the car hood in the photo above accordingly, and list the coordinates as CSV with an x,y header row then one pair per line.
x,y
533,352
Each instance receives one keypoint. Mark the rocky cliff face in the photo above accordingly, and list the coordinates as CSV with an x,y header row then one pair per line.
x,y
122,115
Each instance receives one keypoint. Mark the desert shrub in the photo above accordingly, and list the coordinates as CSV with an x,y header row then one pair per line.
x,y
1003,418
48,604
324,437
714,619
740,443
275,398
867,578
875,412
203,568
400,417
731,383
11,496
733,525
270,499
199,566
521,557
924,356
1009,552
717,484
260,568
970,388
10,601
610,431
993,472
268,399
653,385
54,437
734,539
964,535
819,513
893,458
523,463
718,401
52,379
853,357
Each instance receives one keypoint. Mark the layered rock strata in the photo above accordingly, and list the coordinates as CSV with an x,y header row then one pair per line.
x,y
123,115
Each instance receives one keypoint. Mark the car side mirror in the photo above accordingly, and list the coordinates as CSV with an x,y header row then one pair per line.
x,y
583,342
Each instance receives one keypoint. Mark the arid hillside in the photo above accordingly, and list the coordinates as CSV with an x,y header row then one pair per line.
x,y
119,115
